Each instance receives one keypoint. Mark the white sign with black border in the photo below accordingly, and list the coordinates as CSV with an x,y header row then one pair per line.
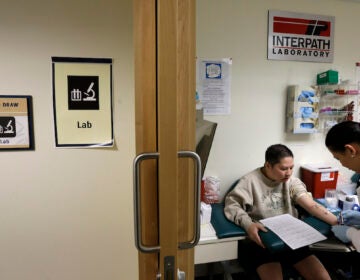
x,y
82,95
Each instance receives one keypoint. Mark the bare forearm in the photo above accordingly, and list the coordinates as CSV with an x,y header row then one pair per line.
x,y
317,210
323,214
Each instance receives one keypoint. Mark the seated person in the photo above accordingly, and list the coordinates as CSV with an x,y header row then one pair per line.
x,y
266,192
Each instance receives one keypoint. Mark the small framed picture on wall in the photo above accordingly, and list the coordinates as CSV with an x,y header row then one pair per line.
x,y
16,123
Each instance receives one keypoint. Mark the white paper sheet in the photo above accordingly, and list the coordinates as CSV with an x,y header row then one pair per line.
x,y
294,232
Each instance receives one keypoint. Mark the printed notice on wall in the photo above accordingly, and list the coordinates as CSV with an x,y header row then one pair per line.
x,y
82,94
302,37
214,85
16,124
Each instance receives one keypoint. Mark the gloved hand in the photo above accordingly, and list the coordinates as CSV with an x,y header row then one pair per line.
x,y
351,217
340,232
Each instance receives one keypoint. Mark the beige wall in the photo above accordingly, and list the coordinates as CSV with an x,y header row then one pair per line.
x,y
67,213
238,29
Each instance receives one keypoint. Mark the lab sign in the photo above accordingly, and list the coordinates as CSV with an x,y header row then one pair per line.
x,y
82,94
300,37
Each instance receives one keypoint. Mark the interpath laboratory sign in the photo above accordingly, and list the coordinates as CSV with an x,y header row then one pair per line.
x,y
301,37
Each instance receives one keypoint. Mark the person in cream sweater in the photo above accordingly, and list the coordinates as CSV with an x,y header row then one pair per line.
x,y
268,191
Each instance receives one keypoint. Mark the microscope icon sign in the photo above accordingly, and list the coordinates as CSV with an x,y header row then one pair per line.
x,y
7,127
83,92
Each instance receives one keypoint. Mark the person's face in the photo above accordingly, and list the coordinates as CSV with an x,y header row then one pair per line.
x,y
282,171
348,160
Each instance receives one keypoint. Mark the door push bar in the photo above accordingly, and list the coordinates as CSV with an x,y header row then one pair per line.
x,y
137,221
197,161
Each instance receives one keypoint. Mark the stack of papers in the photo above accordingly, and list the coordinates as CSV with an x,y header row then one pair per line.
x,y
294,232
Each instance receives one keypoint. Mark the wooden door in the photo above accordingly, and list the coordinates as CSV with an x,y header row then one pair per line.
x,y
164,38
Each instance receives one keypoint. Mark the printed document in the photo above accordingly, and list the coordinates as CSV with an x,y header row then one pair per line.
x,y
214,85
294,232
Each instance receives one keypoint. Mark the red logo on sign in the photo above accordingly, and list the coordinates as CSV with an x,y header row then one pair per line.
x,y
302,26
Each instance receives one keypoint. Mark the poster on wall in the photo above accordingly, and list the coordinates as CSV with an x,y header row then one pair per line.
x,y
213,85
300,37
82,101
16,123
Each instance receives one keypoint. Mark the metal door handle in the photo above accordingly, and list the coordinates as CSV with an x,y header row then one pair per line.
x,y
137,222
192,243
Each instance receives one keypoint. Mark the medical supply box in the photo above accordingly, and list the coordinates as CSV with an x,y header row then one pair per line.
x,y
328,77
318,177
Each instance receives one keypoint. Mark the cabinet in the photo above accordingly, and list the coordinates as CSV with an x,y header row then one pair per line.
x,y
337,103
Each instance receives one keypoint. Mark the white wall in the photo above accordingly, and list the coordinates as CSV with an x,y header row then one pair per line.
x,y
238,29
67,213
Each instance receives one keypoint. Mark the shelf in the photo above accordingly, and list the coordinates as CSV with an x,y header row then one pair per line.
x,y
334,96
335,108
335,113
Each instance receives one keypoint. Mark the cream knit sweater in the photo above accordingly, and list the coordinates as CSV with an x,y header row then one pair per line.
x,y
256,197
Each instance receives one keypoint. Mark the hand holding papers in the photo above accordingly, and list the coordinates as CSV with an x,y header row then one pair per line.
x,y
294,232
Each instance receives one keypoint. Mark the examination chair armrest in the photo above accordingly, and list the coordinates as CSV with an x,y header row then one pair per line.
x,y
319,225
225,228
272,242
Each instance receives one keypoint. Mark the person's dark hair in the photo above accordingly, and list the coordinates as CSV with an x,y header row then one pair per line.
x,y
341,134
276,152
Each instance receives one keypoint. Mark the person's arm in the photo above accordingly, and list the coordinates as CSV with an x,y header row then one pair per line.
x,y
235,204
253,233
317,210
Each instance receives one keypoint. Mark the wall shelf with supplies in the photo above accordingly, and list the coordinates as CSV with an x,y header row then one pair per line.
x,y
337,103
